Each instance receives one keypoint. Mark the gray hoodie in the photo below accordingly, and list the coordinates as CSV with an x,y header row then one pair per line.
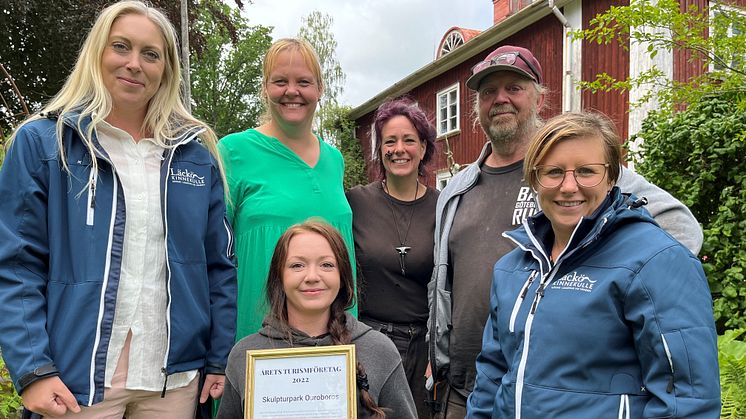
x,y
376,352
673,216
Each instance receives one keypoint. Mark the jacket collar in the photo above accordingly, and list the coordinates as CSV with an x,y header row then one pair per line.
x,y
80,123
536,235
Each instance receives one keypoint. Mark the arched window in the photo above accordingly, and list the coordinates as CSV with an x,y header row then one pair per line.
x,y
452,41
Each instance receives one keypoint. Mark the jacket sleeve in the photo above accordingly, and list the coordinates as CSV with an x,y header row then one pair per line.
x,y
491,366
669,308
24,259
669,212
221,271
432,286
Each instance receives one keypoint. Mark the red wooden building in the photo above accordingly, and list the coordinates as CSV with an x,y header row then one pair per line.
x,y
542,26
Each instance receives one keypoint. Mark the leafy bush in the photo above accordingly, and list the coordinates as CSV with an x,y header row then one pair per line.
x,y
10,402
714,36
732,359
340,131
698,156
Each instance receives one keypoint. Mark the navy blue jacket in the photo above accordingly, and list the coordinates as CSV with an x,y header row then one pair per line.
x,y
621,326
61,253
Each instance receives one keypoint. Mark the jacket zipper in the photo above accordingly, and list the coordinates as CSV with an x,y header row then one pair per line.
x,y
546,279
669,388
164,369
520,299
90,212
92,179
104,286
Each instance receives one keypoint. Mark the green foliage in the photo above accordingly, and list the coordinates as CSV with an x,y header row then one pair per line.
x,y
10,401
41,40
661,25
341,130
317,30
698,156
732,360
226,78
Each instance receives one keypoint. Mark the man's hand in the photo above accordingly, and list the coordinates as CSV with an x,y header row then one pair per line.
x,y
49,397
213,387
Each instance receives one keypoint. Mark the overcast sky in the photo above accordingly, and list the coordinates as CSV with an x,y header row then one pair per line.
x,y
379,41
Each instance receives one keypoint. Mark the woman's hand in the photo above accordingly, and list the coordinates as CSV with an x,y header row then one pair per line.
x,y
49,397
213,387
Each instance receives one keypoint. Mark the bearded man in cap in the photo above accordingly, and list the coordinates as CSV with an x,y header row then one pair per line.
x,y
489,197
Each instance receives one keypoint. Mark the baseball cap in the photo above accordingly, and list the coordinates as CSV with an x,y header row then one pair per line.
x,y
506,58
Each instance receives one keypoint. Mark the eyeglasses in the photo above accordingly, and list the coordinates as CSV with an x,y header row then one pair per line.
x,y
587,175
507,58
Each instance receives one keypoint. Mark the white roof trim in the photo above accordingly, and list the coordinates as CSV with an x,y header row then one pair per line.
x,y
512,24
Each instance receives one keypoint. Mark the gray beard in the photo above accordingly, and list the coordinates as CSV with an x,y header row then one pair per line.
x,y
505,137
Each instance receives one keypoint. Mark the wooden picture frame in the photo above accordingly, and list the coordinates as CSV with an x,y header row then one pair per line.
x,y
316,382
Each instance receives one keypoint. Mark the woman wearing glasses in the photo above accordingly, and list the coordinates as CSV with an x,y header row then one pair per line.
x,y
598,312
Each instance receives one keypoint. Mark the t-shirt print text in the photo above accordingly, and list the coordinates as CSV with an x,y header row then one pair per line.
x,y
525,206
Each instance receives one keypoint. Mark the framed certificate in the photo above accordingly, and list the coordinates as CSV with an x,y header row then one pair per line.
x,y
311,382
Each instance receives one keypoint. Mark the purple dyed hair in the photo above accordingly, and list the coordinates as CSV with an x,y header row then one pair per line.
x,y
406,107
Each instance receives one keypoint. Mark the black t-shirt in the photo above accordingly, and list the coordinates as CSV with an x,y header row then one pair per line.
x,y
386,295
499,202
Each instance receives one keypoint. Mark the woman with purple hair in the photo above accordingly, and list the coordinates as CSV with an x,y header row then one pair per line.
x,y
393,220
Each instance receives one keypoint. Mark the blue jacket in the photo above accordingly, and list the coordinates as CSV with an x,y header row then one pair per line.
x,y
61,254
621,326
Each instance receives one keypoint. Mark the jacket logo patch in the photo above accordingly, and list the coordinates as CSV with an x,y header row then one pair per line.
x,y
186,177
574,281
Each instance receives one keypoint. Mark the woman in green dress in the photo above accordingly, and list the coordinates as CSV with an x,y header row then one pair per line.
x,y
280,173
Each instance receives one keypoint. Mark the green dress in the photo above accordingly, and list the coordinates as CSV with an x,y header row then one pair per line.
x,y
270,189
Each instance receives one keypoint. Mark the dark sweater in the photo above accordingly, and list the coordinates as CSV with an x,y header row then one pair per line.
x,y
379,357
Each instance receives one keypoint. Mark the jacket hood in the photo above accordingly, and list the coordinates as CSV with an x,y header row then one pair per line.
x,y
617,209
273,329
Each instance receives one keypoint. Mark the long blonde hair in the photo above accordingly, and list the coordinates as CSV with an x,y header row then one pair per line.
x,y
84,91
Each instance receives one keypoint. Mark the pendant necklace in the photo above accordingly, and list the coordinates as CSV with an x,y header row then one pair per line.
x,y
402,249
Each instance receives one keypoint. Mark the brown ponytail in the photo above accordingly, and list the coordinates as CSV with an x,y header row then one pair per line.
x,y
341,336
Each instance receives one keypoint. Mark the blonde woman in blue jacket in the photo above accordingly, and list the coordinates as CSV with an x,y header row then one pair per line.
x,y
117,286
599,313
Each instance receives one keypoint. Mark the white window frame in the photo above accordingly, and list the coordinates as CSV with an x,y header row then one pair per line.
x,y
447,93
442,178
721,5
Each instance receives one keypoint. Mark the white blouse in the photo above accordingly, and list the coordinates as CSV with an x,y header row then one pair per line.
x,y
142,294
